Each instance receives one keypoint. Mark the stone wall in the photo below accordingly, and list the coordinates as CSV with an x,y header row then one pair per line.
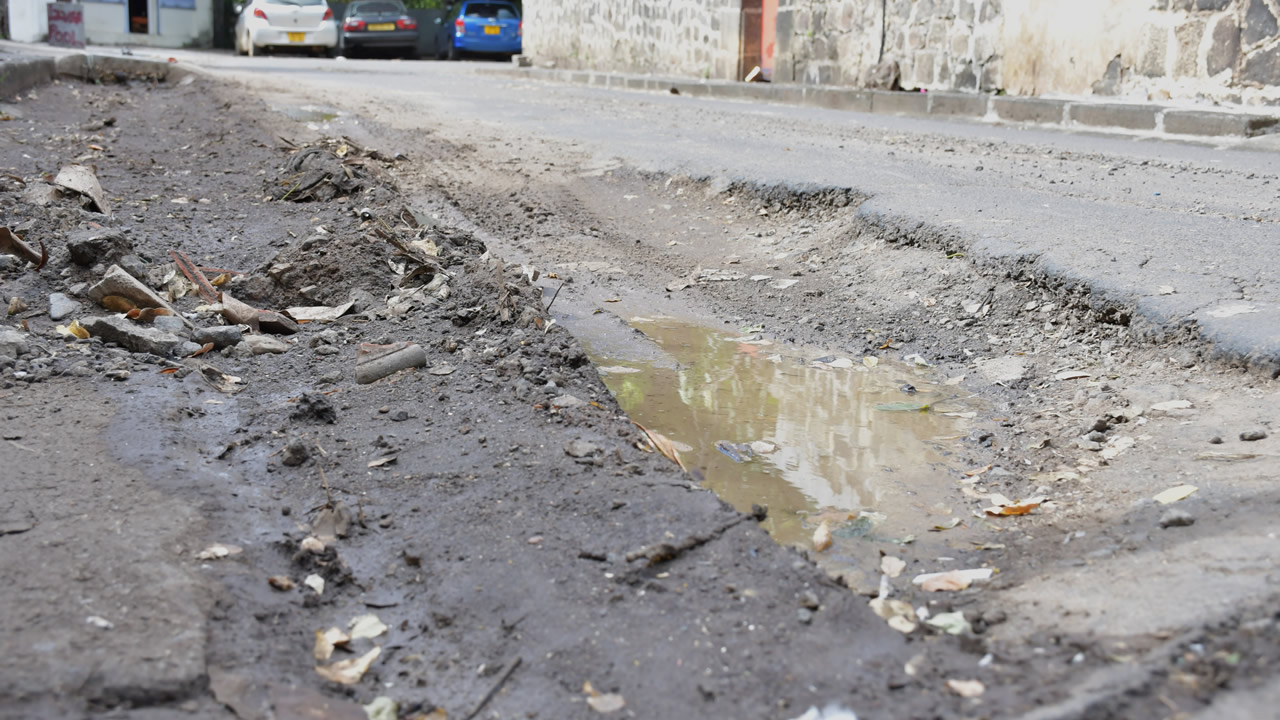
x,y
696,38
1219,50
1222,50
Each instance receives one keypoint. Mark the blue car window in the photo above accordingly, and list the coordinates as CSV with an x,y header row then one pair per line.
x,y
499,11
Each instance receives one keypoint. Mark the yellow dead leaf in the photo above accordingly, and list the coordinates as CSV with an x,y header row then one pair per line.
x,y
117,303
1007,507
978,471
327,640
663,445
822,537
1176,493
892,566
349,672
366,626
75,329
221,280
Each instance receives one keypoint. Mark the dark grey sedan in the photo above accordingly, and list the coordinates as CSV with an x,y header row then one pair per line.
x,y
378,24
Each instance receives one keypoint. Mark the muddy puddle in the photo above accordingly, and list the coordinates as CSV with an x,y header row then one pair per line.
x,y
814,436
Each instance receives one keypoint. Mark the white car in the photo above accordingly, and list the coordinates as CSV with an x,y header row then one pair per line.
x,y
285,23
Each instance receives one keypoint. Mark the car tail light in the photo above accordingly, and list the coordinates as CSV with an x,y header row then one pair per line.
x,y
353,24
460,26
407,23
328,14
257,12
520,29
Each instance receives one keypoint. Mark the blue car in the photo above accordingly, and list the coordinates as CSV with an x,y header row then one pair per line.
x,y
491,27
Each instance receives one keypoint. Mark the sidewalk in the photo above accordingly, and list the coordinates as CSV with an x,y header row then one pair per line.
x,y
1069,114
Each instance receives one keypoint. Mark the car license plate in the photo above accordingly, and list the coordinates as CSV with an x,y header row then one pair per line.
x,y
297,37
492,30
382,26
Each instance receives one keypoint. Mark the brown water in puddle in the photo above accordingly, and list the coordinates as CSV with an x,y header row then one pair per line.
x,y
824,451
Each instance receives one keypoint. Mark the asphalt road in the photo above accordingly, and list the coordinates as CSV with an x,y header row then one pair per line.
x,y
1178,236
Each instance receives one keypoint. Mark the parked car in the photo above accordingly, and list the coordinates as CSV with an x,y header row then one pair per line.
x,y
479,26
381,24
264,24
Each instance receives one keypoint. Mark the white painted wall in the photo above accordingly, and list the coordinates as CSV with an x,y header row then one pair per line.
x,y
28,20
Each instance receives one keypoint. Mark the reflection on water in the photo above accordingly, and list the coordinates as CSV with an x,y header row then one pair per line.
x,y
834,450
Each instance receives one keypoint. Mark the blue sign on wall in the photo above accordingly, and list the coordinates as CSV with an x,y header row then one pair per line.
x,y
179,4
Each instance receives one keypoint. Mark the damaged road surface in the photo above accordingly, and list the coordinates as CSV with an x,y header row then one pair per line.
x,y
313,418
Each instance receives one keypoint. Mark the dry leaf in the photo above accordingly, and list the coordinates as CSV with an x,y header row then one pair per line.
x,y
327,640
663,445
822,537
206,348
967,688
1022,507
892,566
366,626
74,330
389,459
349,672
978,471
282,582
1174,494
952,580
11,244
117,303
217,551
221,280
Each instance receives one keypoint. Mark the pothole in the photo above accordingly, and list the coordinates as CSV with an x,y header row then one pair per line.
x,y
860,444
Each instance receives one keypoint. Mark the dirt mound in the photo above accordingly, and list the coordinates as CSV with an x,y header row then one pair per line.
x,y
331,169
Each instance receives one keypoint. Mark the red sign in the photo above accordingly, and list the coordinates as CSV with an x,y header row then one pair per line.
x,y
66,24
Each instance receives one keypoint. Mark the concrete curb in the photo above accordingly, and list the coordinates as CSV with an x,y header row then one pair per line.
x,y
21,73
1064,114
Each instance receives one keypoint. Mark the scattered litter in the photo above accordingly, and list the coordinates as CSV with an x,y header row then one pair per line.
x,y
319,313
382,708
82,180
366,626
100,622
822,536
761,447
1003,506
830,712
967,688
349,672
903,406
870,361
220,381
951,580
737,452
374,362
952,623
327,640
75,329
948,525
283,583
917,360
892,566
1176,493
217,551
898,614
315,582
662,444
603,702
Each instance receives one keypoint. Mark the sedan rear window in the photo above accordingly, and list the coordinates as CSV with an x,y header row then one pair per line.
x,y
500,11
377,8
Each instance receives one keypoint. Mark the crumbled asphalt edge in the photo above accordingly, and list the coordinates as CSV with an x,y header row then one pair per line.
x,y
1105,318
647,510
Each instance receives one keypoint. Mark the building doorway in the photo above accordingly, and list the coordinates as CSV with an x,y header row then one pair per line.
x,y
758,44
139,17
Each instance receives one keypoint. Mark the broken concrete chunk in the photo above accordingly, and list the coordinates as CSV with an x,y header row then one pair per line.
x,y
221,336
82,180
137,338
91,247
120,283
262,344
374,362
41,194
61,306
276,323
13,344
